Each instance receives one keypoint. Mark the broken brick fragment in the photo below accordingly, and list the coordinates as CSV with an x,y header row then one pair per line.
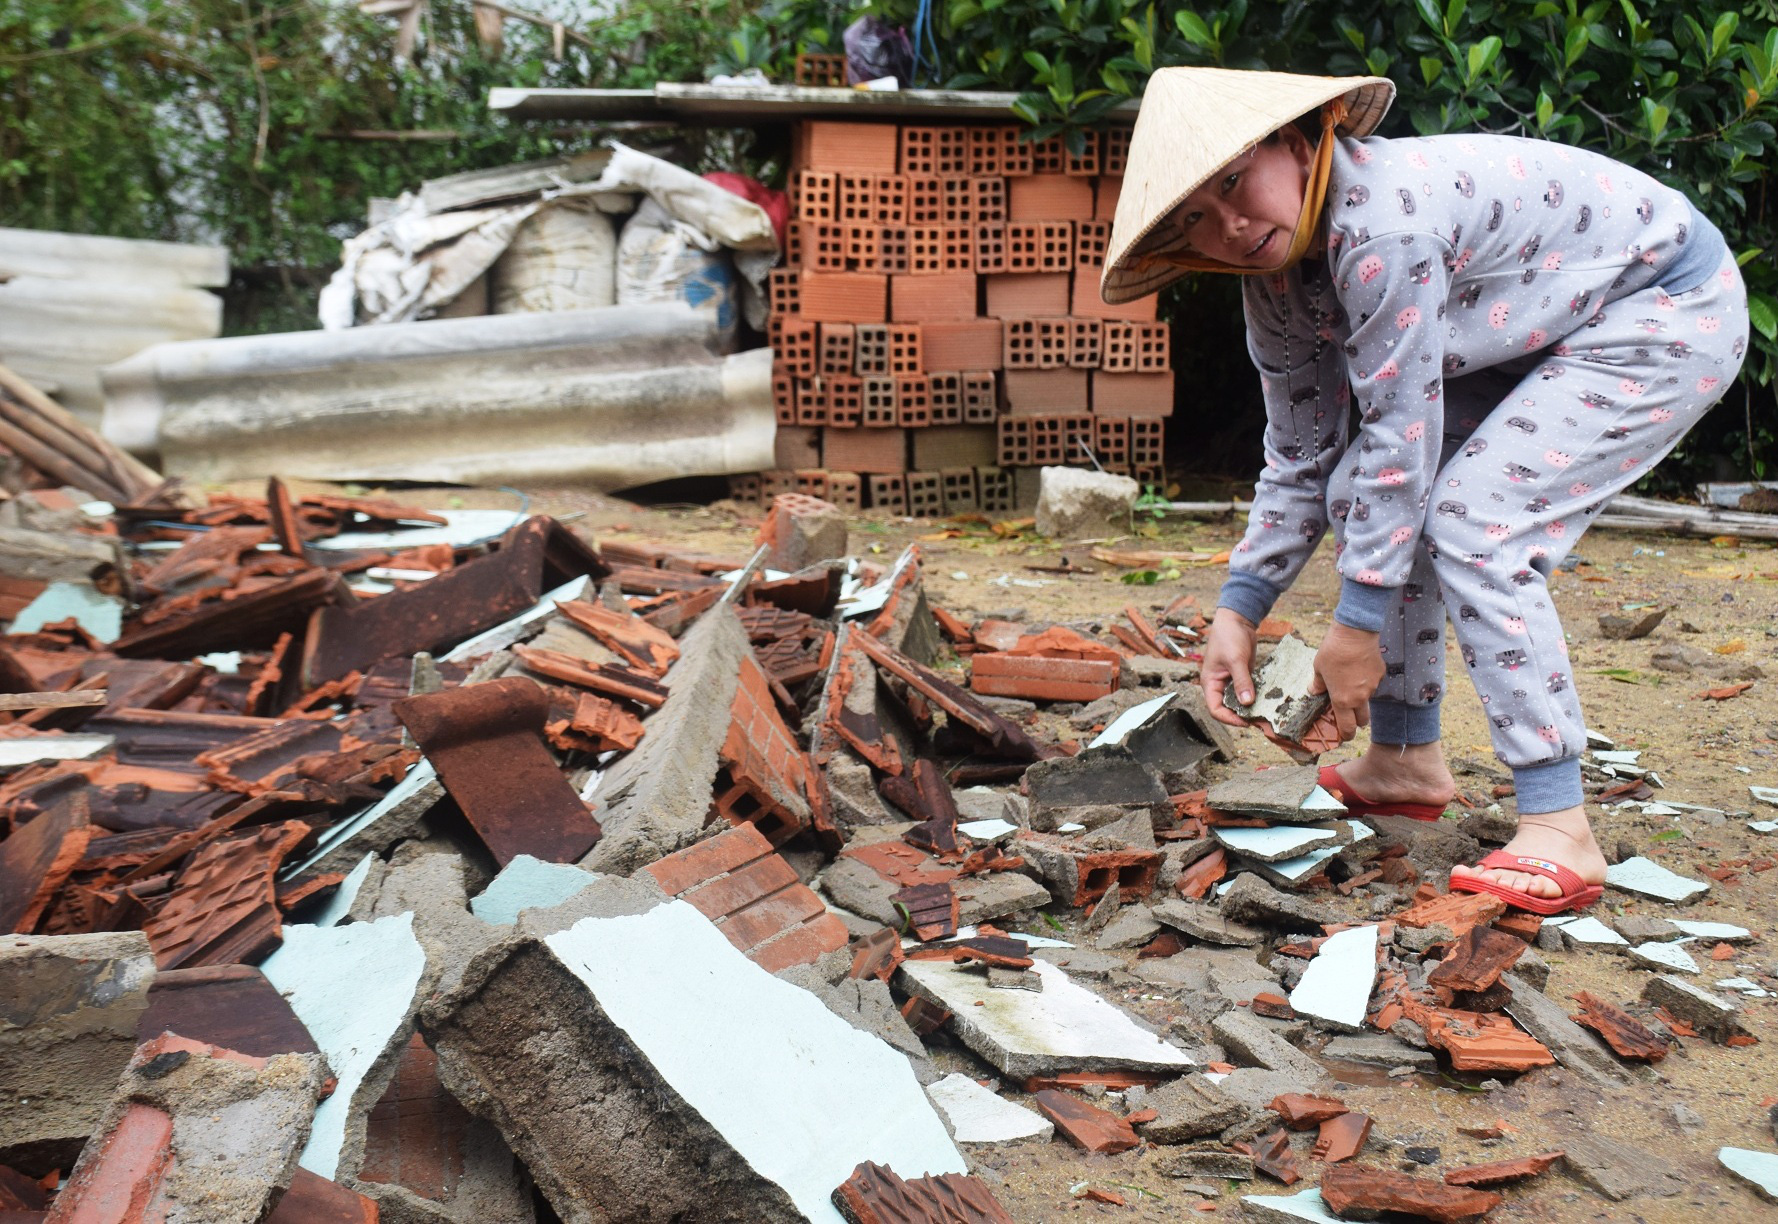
x,y
1457,912
754,897
1277,1007
645,646
1476,961
1084,1125
1521,923
1200,877
1478,1042
1626,1035
1342,1137
876,955
924,1016
1500,1172
1348,1188
875,1195
1041,678
1300,1111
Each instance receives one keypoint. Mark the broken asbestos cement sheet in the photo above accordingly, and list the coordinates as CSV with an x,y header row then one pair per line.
x,y
1337,984
1758,1168
1283,842
812,1098
1063,1027
1305,1206
528,883
1129,720
978,1115
1290,794
1650,879
353,987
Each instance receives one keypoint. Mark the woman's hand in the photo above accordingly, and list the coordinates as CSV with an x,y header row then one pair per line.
x,y
1228,659
1348,668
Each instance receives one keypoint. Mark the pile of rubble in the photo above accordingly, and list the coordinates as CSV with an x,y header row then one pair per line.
x,y
362,863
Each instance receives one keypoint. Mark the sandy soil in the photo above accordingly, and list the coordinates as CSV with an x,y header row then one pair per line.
x,y
1724,600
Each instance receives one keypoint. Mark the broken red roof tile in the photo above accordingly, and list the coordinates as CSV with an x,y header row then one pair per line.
x,y
1476,961
36,860
282,513
953,628
901,863
598,724
20,1193
875,1195
645,646
312,1199
1342,1137
485,741
1085,1126
250,616
999,735
876,955
1061,642
1273,1005
607,678
223,908
753,897
1042,678
859,728
931,908
1272,1156
232,1006
1116,1081
1625,1034
1520,923
1501,1172
1346,1188
1458,912
1300,1111
937,810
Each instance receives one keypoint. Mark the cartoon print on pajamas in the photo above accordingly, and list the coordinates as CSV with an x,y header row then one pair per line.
x,y
1478,504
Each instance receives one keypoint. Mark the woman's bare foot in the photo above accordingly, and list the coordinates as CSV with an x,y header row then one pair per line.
x,y
1564,837
1402,773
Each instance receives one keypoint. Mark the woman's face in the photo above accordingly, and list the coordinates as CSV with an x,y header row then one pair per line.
x,y
1245,214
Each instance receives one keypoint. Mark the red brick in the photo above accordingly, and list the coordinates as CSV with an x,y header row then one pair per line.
x,y
818,196
803,944
1086,301
1084,164
879,397
1091,238
1016,153
959,248
1148,448
784,396
870,349
934,150
811,402
994,490
820,71
844,297
957,201
912,408
1111,443
926,249
984,146
925,199
1086,339
1046,392
736,887
1005,675
958,446
859,148
865,450
1105,193
1114,150
959,490
987,199
783,291
844,395
793,242
1048,156
1050,197
824,246
835,349
904,350
1029,296
1035,344
926,299
1133,395
990,247
846,490
962,344
794,348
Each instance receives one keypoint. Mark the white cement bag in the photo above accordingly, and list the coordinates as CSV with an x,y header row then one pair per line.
x,y
563,258
657,263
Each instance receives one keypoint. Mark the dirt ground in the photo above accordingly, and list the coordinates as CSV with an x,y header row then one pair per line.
x,y
1724,601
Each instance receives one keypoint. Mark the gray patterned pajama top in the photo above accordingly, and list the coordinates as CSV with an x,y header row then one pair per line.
x,y
1524,329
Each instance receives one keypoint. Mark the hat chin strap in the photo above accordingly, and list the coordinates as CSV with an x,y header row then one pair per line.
x,y
1308,221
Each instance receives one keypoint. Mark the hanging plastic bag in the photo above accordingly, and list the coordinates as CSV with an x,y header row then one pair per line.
x,y
876,49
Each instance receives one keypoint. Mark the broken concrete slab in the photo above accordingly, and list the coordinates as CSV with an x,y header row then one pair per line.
x,y
67,1031
1097,777
1208,925
1167,735
611,1047
978,1115
1711,1015
1336,987
355,989
1211,1162
194,1132
1064,1027
1190,1108
1248,1039
1647,878
1573,1046
1257,1087
528,883
1131,927
1292,794
1620,1171
1589,932
1757,1169
856,881
1251,900
867,1005
395,816
1379,1050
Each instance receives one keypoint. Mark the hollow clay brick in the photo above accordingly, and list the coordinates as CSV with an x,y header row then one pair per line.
x,y
926,495
836,350
1090,240
904,349
880,402
926,249
782,291
844,400
1029,296
1086,340
989,247
824,246
870,349
934,150
962,344
912,408
1132,395
818,196
811,402
927,299
944,396
796,346
887,492
1114,150
981,397
1048,156
1105,193
984,150
1085,163
994,490
958,201
820,71
959,490
1086,301
987,198
784,396
959,248
925,199
1015,150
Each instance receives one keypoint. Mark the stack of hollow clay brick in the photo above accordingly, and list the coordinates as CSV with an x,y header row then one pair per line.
x,y
937,323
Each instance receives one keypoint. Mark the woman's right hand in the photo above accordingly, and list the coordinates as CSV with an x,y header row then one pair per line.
x,y
1228,659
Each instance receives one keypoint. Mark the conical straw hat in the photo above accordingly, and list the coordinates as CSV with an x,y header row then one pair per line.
x,y
1193,122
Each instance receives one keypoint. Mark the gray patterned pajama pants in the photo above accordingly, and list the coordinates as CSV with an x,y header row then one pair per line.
x,y
1533,449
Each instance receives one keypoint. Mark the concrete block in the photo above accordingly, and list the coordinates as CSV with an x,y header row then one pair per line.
x,y
1062,1028
1290,794
67,1031
195,1133
1244,1037
595,1057
802,531
1251,900
1207,925
1188,1109
1379,1050
355,989
1074,502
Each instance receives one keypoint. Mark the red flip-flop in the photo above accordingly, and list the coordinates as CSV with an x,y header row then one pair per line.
x,y
1577,894
1358,805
